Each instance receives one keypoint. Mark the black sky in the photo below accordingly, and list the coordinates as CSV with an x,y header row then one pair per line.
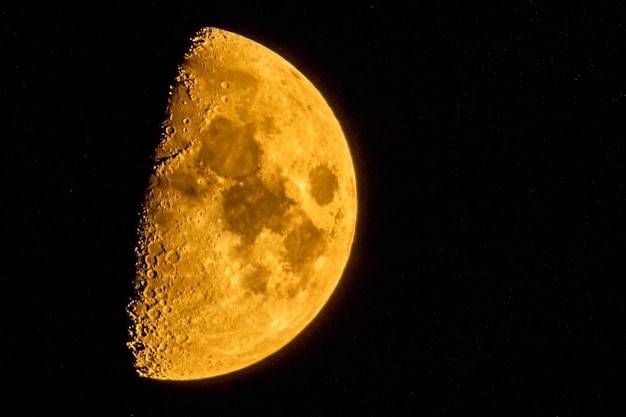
x,y
487,272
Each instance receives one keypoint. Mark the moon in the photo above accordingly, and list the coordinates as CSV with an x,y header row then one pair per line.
x,y
249,216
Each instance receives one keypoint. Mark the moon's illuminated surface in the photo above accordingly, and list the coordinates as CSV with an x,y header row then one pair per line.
x,y
249,217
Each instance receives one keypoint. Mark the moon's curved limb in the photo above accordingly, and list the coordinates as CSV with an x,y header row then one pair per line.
x,y
249,217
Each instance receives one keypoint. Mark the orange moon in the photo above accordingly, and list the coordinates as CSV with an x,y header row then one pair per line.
x,y
249,217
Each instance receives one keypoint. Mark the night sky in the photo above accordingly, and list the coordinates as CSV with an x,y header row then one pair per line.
x,y
487,273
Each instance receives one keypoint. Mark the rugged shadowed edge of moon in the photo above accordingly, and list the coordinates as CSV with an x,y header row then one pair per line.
x,y
249,216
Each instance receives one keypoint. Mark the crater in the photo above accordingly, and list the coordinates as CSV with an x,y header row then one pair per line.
x,y
323,184
155,248
250,206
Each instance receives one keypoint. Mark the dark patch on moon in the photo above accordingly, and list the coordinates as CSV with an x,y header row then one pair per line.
x,y
303,245
230,149
250,206
323,184
186,183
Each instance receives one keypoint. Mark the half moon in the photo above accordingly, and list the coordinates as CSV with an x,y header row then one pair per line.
x,y
249,217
